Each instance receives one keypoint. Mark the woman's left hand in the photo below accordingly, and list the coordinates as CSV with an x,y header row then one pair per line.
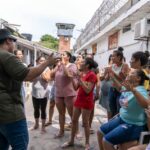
x,y
129,86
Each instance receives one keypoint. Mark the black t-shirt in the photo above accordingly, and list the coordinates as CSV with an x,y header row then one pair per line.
x,y
12,73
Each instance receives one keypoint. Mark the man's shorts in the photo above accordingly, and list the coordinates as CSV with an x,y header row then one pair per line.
x,y
116,131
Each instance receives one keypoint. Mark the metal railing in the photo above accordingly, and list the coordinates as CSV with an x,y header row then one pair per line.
x,y
106,10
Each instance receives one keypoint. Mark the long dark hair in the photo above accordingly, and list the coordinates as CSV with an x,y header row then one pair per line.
x,y
70,56
141,56
119,52
91,63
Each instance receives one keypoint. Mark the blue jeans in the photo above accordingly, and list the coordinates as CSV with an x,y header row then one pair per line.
x,y
15,135
116,131
114,105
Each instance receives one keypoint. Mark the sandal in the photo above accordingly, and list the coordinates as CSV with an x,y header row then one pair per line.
x,y
67,144
67,127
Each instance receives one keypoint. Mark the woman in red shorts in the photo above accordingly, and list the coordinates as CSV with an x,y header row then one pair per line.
x,y
84,103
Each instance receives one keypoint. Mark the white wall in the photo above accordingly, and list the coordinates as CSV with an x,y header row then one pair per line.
x,y
102,45
126,40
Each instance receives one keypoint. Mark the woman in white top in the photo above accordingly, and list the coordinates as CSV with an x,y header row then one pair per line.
x,y
39,97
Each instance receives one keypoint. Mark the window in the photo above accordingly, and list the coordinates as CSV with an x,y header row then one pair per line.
x,y
113,41
94,48
126,28
62,26
148,21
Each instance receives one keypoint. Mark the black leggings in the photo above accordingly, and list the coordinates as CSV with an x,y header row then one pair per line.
x,y
39,106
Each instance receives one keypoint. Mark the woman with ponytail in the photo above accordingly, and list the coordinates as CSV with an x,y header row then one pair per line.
x,y
120,70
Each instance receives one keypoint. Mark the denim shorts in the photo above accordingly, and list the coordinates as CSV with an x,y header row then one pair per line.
x,y
116,131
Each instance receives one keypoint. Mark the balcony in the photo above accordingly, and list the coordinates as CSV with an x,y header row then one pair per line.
x,y
110,13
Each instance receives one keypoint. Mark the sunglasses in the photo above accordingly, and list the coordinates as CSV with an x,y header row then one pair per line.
x,y
13,40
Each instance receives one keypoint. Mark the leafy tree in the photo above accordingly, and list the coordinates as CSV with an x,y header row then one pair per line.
x,y
49,41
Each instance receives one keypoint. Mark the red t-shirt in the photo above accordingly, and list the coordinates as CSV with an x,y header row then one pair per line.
x,y
85,100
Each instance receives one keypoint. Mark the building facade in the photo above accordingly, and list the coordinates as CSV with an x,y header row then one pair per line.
x,y
116,23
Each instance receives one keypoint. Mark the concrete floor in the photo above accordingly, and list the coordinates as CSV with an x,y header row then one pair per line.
x,y
46,141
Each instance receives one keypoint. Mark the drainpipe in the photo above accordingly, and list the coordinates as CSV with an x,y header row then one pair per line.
x,y
35,55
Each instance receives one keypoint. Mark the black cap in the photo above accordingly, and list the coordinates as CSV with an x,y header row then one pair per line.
x,y
6,34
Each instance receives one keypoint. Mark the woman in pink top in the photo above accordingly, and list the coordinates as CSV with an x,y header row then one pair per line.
x,y
65,93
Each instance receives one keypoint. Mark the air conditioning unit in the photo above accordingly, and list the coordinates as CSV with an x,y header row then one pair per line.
x,y
137,30
142,29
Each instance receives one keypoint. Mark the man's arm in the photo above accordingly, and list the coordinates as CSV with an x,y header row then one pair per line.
x,y
36,71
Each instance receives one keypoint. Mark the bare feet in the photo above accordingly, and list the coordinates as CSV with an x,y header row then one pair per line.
x,y
48,123
35,127
67,144
43,131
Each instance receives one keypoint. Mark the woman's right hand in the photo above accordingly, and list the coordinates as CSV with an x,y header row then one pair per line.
x,y
59,64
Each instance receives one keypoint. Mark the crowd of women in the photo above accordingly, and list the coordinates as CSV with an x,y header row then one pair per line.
x,y
74,84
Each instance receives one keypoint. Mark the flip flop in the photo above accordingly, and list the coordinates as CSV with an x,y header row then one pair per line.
x,y
67,144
